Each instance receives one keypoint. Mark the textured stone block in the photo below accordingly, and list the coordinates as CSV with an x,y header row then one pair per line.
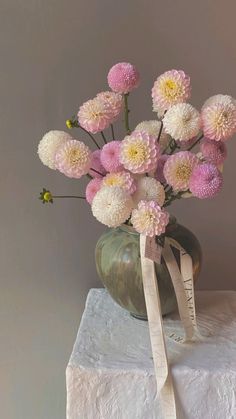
x,y
110,374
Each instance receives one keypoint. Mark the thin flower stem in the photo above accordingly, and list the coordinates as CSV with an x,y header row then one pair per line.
x,y
112,132
172,147
68,196
173,198
168,190
87,132
96,171
196,142
126,110
165,149
104,138
159,135
175,146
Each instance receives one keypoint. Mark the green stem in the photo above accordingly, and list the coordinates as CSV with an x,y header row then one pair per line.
x,y
173,198
68,196
126,110
75,124
112,132
128,222
196,142
104,138
159,135
172,147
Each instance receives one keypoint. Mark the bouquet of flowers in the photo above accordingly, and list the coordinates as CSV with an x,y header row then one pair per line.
x,y
135,179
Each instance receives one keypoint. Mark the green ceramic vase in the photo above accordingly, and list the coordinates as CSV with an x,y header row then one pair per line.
x,y
119,267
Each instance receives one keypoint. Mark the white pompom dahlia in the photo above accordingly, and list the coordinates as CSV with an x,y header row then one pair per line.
x,y
49,145
182,122
112,206
149,189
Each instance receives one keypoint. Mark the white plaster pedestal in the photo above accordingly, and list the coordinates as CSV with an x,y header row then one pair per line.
x,y
110,373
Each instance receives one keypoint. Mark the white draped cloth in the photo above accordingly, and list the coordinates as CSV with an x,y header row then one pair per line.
x,y
110,374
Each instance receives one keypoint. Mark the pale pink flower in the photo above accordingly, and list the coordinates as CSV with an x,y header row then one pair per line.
x,y
73,159
110,156
206,181
178,169
96,164
170,88
92,188
218,99
149,219
219,120
123,77
95,115
139,152
122,179
153,128
114,100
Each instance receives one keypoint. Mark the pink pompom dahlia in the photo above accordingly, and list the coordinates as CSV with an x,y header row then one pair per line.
x,y
170,88
178,169
114,100
110,156
73,159
206,181
122,179
214,152
123,78
95,115
149,218
139,152
219,120
92,188
96,164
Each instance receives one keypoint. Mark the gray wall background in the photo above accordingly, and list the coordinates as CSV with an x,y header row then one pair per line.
x,y
54,55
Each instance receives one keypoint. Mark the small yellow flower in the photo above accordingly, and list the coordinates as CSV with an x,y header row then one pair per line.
x,y
46,196
69,124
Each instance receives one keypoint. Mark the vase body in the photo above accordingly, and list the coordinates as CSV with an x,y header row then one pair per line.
x,y
119,267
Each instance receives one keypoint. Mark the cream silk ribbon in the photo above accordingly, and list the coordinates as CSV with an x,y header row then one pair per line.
x,y
183,286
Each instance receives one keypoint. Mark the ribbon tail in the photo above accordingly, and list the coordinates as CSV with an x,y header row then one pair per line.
x,y
183,286
152,298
